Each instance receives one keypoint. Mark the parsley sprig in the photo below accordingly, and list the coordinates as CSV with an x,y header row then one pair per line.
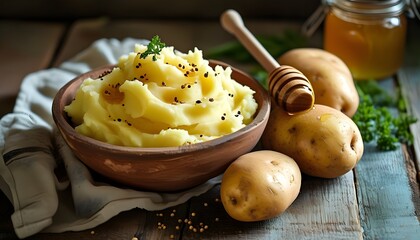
x,y
154,48
376,121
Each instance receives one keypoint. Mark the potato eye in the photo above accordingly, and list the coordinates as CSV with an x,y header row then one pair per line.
x,y
233,201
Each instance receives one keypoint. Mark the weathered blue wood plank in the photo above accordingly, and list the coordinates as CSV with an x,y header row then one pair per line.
x,y
325,209
385,196
387,188
409,81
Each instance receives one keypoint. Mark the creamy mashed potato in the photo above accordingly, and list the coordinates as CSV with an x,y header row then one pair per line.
x,y
173,100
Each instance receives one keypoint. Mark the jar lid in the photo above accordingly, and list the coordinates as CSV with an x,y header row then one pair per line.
x,y
360,7
385,7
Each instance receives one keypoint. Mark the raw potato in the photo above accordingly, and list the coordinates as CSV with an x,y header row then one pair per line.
x,y
260,185
330,77
323,141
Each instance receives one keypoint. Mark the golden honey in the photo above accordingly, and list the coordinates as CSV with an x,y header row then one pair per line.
x,y
369,36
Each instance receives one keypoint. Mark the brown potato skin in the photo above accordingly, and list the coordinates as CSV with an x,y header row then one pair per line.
x,y
260,185
323,141
330,77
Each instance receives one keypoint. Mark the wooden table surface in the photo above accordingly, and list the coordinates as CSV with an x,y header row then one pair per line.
x,y
379,199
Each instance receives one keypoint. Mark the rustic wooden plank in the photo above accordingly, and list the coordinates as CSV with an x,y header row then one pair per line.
x,y
387,189
123,226
324,209
385,196
186,9
113,229
184,35
24,48
409,81
164,224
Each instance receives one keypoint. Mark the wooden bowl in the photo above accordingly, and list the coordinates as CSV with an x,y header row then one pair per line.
x,y
161,169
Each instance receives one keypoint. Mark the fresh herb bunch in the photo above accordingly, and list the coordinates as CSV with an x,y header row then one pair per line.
x,y
276,45
375,120
153,48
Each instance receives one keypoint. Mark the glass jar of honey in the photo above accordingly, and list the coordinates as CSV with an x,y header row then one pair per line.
x,y
368,35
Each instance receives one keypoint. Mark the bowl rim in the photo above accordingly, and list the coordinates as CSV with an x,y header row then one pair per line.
x,y
62,122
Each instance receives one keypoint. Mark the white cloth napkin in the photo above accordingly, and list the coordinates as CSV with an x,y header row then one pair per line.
x,y
44,199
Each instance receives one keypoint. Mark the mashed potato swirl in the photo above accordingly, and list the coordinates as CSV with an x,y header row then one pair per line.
x,y
173,100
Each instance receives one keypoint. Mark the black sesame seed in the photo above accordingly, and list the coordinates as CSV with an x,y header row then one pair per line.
x,y
211,99
223,118
198,101
206,74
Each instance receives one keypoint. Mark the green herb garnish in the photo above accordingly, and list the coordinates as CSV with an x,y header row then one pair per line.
x,y
276,45
377,122
153,48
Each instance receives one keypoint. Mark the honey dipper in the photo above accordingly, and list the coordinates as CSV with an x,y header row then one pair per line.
x,y
288,87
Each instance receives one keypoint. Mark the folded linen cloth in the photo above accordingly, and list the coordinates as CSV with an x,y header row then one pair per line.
x,y
44,199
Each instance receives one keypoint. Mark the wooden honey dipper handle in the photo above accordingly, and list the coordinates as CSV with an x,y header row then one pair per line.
x,y
288,87
232,22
